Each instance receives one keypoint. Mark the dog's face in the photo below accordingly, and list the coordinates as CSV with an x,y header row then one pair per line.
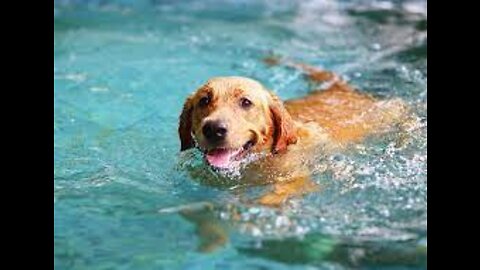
x,y
229,117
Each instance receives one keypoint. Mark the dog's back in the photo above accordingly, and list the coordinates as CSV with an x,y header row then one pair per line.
x,y
346,114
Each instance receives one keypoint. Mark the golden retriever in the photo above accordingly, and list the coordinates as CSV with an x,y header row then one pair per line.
x,y
238,124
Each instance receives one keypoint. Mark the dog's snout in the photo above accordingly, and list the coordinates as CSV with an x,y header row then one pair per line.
x,y
215,131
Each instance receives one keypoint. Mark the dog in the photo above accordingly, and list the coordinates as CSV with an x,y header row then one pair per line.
x,y
239,124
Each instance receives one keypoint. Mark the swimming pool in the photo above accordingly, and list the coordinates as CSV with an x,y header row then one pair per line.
x,y
122,70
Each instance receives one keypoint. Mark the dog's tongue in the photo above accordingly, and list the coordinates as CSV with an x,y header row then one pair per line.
x,y
221,158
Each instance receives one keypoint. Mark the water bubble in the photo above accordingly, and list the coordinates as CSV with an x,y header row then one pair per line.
x,y
376,47
254,210
256,231
282,221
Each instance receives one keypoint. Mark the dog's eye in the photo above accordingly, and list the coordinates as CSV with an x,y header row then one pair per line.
x,y
245,103
204,101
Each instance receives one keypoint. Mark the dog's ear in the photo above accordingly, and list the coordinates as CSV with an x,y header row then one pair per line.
x,y
284,132
185,125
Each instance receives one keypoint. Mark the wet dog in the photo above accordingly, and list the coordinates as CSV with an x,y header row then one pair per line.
x,y
238,124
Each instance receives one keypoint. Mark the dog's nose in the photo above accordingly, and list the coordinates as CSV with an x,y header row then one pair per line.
x,y
214,131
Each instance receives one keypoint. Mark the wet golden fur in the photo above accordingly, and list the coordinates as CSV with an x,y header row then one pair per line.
x,y
290,131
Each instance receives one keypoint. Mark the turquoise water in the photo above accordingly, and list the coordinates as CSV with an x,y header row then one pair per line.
x,y
121,73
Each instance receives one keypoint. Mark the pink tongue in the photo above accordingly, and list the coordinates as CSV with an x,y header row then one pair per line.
x,y
220,158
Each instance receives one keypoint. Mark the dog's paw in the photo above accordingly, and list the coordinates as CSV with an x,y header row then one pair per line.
x,y
273,199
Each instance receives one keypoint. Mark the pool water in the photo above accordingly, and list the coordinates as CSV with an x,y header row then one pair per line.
x,y
122,70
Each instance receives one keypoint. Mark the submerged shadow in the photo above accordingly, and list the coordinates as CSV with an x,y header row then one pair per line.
x,y
316,249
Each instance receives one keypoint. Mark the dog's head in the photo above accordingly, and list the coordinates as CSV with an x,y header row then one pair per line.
x,y
229,117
